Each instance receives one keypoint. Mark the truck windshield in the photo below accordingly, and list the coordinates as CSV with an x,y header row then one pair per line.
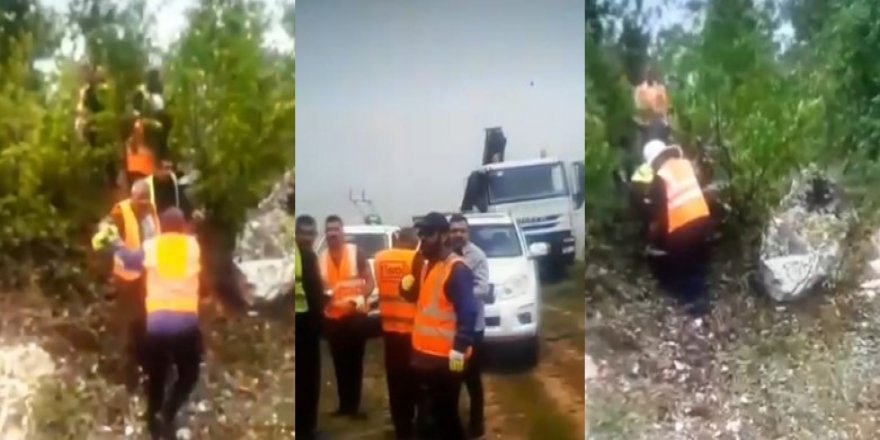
x,y
369,244
497,241
527,183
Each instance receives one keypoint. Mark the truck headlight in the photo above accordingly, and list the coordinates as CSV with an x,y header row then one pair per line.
x,y
515,286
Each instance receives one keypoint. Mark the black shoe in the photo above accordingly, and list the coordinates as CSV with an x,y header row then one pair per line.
x,y
154,427
697,309
169,429
315,435
476,432
358,415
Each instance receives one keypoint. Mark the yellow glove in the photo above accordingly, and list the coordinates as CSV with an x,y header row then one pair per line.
x,y
407,282
456,361
107,234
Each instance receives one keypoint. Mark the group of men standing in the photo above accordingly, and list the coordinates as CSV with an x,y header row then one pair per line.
x,y
669,196
431,283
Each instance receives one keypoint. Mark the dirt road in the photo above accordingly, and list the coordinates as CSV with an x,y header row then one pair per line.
x,y
521,403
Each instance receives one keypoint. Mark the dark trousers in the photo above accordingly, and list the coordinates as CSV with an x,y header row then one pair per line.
x,y
182,351
347,345
402,384
308,374
684,270
131,310
444,388
473,379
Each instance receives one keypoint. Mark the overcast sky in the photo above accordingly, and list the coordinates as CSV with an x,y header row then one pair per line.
x,y
171,20
393,96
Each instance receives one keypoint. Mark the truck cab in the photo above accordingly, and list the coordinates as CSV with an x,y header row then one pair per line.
x,y
544,195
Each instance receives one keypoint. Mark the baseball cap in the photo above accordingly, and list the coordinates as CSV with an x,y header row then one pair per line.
x,y
433,222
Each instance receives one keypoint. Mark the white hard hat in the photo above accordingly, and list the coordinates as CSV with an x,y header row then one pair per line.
x,y
653,149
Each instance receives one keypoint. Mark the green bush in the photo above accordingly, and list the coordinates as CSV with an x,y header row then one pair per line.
x,y
232,100
761,110
233,103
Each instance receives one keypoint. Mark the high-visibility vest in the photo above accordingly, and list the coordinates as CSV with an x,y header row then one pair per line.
x,y
643,174
300,301
396,313
138,156
132,239
342,280
652,99
171,263
152,187
434,325
684,197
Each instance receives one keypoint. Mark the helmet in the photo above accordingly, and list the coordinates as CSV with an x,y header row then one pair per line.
x,y
653,149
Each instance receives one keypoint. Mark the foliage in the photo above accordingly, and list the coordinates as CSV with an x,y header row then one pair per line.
x,y
231,98
754,108
234,102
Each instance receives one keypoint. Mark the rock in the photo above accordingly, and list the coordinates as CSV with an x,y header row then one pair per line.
x,y
23,368
264,252
870,282
801,247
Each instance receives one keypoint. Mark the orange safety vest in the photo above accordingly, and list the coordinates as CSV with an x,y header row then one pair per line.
x,y
138,156
132,240
171,262
342,280
396,312
434,323
653,99
684,197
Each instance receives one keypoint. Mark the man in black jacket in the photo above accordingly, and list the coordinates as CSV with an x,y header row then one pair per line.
x,y
308,331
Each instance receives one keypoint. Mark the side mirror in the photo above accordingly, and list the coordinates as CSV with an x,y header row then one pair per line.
x,y
578,180
539,249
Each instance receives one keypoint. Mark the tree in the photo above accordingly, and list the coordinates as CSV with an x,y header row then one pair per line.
x,y
234,100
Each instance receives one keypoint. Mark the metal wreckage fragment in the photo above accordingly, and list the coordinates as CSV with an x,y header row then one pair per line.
x,y
264,252
802,245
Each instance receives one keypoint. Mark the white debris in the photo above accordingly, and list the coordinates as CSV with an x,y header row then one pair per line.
x,y
264,252
23,368
591,371
871,278
801,248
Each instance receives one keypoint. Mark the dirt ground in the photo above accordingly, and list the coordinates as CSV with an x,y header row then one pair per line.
x,y
539,403
245,391
754,369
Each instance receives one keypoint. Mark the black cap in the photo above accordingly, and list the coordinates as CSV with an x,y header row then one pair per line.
x,y
431,223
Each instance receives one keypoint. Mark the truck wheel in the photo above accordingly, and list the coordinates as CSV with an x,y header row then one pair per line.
x,y
532,351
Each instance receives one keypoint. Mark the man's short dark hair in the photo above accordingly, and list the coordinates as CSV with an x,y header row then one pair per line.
x,y
458,218
333,219
305,221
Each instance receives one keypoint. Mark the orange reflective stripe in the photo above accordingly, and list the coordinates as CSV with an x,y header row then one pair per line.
x,y
435,321
397,313
172,267
685,199
342,280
